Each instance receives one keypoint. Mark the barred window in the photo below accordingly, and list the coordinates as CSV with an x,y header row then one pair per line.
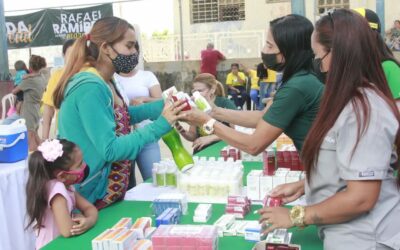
x,y
276,1
205,11
324,5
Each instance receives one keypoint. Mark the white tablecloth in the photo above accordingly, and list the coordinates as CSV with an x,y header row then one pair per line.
x,y
13,177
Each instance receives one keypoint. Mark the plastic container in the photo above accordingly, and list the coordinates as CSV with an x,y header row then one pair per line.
x,y
182,158
13,142
201,102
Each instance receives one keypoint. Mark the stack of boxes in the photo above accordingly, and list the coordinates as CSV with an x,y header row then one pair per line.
x,y
123,235
239,206
185,237
230,152
169,216
279,167
170,200
258,184
202,213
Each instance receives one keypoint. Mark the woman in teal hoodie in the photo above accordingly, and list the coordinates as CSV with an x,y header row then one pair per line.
x,y
94,116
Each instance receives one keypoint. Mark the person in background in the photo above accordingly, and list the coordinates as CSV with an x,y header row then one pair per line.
x,y
390,65
140,87
51,198
20,74
213,91
93,114
236,83
47,99
352,148
394,36
33,88
254,88
267,81
210,58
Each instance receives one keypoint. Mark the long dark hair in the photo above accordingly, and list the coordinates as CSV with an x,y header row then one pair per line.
x,y
385,53
292,35
40,173
355,64
107,29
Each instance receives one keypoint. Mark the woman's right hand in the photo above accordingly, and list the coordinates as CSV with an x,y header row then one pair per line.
x,y
288,192
171,109
180,129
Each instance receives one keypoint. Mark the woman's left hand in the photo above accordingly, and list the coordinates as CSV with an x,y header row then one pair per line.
x,y
275,217
194,117
201,142
81,224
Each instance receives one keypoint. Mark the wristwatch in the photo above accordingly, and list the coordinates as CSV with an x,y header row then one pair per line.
x,y
208,127
297,215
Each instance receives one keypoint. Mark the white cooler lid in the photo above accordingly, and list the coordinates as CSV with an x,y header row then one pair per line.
x,y
14,128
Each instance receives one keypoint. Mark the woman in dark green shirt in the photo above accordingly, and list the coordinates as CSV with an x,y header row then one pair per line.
x,y
212,90
295,104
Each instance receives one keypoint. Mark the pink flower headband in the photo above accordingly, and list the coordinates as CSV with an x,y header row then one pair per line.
x,y
51,150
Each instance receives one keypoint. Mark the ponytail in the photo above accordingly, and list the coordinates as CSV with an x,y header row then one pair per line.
x,y
211,82
220,89
78,57
36,190
86,50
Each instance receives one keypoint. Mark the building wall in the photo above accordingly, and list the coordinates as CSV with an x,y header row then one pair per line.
x,y
258,14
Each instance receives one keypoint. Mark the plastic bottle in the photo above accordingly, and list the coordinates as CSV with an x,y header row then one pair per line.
x,y
170,176
201,102
182,158
160,175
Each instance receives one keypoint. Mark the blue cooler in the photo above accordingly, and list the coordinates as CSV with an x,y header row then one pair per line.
x,y
13,142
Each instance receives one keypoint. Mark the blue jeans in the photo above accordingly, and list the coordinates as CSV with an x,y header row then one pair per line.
x,y
266,89
145,159
254,97
239,101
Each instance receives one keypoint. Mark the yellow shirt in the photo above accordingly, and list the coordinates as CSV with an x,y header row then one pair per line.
x,y
271,76
233,80
254,79
51,86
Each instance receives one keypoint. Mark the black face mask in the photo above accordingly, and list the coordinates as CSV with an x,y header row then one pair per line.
x,y
125,63
317,63
270,61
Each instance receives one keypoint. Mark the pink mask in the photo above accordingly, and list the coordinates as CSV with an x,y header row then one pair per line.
x,y
80,174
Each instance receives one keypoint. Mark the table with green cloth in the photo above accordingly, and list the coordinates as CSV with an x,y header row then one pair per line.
x,y
307,237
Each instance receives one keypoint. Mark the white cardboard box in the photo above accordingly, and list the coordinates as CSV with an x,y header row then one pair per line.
x,y
266,185
253,184
293,176
279,178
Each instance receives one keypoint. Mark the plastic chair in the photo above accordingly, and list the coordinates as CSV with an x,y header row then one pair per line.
x,y
9,97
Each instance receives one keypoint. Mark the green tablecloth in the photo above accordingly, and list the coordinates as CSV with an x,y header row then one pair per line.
x,y
307,238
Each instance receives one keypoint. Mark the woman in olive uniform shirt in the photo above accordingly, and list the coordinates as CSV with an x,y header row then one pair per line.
x,y
295,104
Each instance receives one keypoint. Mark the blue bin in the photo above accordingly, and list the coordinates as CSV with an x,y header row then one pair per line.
x,y
13,142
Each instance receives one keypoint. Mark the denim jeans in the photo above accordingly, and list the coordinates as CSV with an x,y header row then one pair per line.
x,y
266,89
254,97
145,159
235,96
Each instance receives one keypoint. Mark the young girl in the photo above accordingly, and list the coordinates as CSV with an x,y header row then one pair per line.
x,y
21,72
53,169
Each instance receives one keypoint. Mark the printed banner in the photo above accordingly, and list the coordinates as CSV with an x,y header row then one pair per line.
x,y
52,26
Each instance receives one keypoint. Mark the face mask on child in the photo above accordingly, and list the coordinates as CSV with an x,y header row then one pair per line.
x,y
79,174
